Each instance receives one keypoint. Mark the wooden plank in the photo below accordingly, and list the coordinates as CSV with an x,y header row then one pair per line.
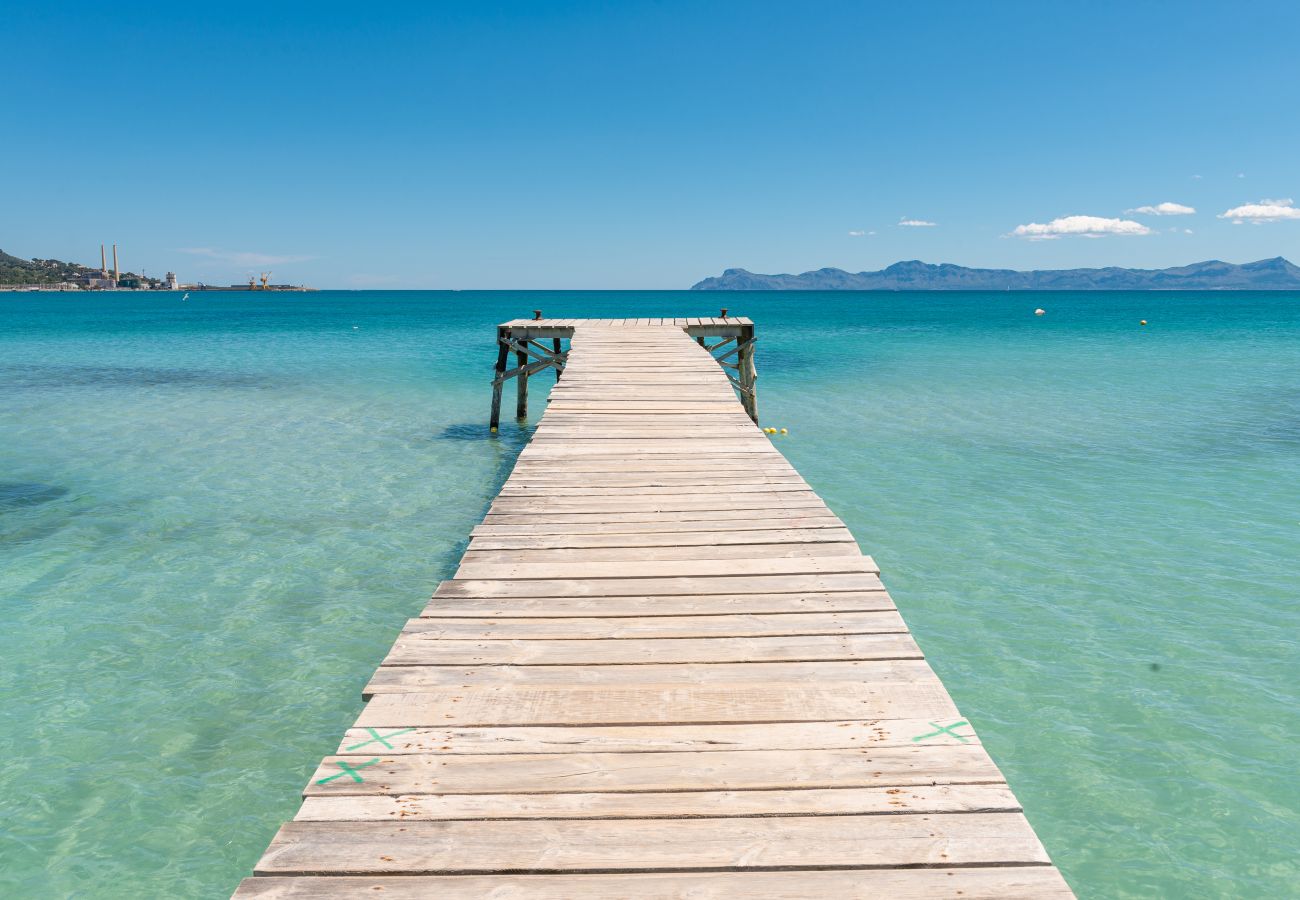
x,y
793,520
576,401
628,572
994,883
849,734
625,458
641,554
917,799
682,482
704,470
706,379
625,587
696,407
637,705
631,458
666,422
633,359
649,432
644,606
660,464
534,629
630,378
680,539
614,845
413,650
754,501
611,496
741,451
544,446
667,520
617,489
702,387
408,679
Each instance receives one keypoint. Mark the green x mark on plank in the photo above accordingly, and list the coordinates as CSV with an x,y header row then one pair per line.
x,y
943,729
381,738
348,770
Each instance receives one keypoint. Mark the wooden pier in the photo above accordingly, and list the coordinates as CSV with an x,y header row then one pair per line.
x,y
663,669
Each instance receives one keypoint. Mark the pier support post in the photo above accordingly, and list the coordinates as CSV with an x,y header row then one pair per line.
x,y
558,370
748,372
503,354
521,404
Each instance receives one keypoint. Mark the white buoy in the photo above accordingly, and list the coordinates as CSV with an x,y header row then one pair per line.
x,y
1040,312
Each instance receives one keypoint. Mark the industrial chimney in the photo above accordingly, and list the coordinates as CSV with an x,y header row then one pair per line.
x,y
117,275
103,263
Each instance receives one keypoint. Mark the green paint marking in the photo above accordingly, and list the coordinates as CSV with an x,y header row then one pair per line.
x,y
349,770
943,729
381,738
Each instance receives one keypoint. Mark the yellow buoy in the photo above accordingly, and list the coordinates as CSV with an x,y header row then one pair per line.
x,y
494,431
1143,322
785,430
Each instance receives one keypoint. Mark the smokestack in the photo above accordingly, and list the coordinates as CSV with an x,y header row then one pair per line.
x,y
103,263
117,276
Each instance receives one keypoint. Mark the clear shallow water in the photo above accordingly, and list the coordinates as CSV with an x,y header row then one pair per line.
x,y
215,516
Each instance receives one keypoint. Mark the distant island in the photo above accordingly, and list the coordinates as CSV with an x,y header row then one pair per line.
x,y
1275,274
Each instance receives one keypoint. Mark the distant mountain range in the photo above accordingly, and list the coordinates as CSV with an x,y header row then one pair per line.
x,y
1275,274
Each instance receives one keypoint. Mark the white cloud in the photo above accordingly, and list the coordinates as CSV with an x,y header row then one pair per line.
x,y
1197,177
242,258
869,233
1188,231
1082,226
916,223
1261,212
1163,209
1241,174
856,233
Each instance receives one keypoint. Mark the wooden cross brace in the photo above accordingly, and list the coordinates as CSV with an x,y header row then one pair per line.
x,y
544,359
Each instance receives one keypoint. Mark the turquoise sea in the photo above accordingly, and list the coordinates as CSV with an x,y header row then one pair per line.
x,y
215,515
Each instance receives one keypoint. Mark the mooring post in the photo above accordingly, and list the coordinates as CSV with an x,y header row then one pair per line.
x,y
748,373
521,405
503,354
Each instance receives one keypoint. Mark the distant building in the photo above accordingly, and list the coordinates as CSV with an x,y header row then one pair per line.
x,y
93,280
171,282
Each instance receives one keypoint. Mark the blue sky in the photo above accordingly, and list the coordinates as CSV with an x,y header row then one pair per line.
x,y
644,145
